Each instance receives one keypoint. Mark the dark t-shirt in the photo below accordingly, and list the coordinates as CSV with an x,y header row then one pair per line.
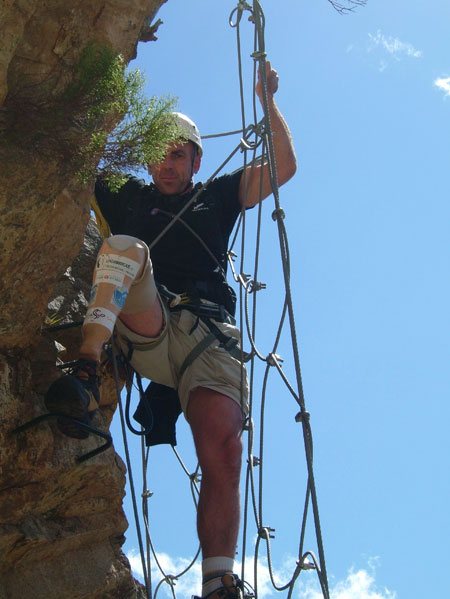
x,y
193,252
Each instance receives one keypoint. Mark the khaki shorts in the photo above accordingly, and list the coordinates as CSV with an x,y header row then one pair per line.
x,y
161,359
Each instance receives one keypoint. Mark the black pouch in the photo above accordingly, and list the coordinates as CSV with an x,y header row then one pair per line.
x,y
158,411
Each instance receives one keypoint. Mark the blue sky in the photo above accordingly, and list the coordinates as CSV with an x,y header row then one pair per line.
x,y
367,99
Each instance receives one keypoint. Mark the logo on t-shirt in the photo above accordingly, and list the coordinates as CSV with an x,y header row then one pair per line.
x,y
199,206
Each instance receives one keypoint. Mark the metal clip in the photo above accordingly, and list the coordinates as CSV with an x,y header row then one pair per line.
x,y
195,477
239,10
257,286
274,359
302,416
307,566
264,532
278,214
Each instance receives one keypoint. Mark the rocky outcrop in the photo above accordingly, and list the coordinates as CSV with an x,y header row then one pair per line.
x,y
61,524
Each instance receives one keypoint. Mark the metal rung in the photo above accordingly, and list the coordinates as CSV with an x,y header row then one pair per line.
x,y
86,456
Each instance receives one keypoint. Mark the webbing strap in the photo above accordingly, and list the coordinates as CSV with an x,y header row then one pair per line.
x,y
230,344
198,349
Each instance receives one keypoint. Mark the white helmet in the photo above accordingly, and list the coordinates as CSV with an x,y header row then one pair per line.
x,y
189,129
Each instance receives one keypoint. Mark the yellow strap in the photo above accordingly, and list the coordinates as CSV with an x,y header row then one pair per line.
x,y
102,225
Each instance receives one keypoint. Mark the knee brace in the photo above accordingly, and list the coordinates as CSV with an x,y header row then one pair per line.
x,y
125,260
143,291
122,243
130,294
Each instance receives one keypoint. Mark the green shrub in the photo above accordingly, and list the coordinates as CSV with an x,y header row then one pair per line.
x,y
105,93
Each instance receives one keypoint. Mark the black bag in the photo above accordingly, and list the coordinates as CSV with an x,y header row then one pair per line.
x,y
157,412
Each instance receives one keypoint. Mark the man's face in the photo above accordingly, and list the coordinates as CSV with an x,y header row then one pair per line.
x,y
173,174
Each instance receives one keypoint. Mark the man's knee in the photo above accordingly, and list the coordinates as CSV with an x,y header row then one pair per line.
x,y
222,458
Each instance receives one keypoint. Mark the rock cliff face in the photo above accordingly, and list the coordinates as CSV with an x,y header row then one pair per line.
x,y
61,523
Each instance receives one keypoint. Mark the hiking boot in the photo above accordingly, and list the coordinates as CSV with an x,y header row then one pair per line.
x,y
231,589
75,395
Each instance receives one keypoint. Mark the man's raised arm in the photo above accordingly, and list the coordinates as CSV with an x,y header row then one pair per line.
x,y
286,161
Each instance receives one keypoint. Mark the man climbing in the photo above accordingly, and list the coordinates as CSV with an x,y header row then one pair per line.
x,y
189,350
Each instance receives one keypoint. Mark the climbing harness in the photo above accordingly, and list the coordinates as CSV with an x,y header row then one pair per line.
x,y
207,312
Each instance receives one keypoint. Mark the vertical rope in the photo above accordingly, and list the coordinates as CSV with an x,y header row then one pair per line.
x,y
130,472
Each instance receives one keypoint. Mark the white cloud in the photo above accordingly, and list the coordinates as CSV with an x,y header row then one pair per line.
x,y
381,50
358,584
187,585
393,46
444,84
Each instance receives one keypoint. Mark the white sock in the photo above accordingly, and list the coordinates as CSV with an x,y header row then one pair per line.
x,y
213,568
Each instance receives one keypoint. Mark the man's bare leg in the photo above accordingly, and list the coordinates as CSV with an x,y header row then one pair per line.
x,y
216,423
